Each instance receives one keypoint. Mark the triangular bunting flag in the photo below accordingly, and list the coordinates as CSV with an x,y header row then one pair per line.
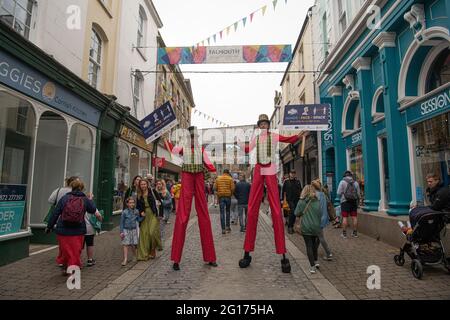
x,y
285,1
228,30
244,21
215,37
275,4
251,16
221,34
264,10
209,41
236,26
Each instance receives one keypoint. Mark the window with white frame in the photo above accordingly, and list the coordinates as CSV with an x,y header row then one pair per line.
x,y
17,14
142,21
138,79
342,13
95,59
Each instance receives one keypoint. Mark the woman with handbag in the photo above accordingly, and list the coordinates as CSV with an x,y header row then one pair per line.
x,y
308,208
149,235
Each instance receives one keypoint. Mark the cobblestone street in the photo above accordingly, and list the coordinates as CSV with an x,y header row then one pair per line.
x,y
37,277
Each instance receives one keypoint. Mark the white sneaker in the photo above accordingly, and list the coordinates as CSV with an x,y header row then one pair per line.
x,y
317,265
328,258
313,270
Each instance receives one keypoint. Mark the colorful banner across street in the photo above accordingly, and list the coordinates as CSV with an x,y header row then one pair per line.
x,y
158,122
311,117
231,54
12,207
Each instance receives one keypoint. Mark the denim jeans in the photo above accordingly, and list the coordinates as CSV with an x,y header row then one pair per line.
x,y
225,212
243,209
234,210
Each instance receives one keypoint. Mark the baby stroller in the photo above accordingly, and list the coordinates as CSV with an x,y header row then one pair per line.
x,y
424,245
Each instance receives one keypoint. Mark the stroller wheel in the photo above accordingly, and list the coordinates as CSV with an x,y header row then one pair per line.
x,y
399,260
417,269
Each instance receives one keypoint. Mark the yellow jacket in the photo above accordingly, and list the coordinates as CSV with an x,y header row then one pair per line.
x,y
224,186
176,190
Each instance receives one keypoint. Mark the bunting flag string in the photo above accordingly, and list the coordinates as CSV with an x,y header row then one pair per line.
x,y
210,118
244,20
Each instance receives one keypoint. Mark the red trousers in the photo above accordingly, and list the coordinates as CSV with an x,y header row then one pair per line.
x,y
70,249
193,184
256,195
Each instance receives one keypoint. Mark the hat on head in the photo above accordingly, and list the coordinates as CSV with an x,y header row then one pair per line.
x,y
263,118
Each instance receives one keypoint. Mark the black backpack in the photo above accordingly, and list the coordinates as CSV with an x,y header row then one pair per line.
x,y
351,194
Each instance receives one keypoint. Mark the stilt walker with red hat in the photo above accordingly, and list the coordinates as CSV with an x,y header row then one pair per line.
x,y
196,165
265,173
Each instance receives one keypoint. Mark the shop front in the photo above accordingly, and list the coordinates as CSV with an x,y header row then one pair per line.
x,y
429,139
355,161
47,133
133,158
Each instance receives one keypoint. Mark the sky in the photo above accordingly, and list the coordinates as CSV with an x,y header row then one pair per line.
x,y
235,99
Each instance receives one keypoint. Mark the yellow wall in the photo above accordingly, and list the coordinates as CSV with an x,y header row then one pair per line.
x,y
107,18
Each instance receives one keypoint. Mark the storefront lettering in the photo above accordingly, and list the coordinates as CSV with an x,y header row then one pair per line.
x,y
20,78
357,138
439,102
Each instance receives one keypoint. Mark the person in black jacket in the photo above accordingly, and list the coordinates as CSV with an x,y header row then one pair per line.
x,y
242,194
70,235
291,191
438,193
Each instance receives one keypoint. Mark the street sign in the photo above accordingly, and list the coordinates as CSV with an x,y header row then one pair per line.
x,y
158,122
228,54
308,117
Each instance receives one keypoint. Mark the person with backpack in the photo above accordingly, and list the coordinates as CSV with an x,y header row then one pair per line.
x,y
69,218
349,192
90,234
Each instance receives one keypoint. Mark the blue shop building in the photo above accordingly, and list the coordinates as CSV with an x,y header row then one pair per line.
x,y
388,81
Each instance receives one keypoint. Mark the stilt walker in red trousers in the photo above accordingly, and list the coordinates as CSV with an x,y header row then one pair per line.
x,y
196,165
265,172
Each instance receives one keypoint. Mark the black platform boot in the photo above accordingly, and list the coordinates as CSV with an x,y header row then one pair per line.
x,y
245,263
176,267
285,265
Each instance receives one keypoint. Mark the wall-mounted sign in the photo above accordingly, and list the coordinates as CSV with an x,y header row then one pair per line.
x,y
231,54
433,106
159,162
310,117
327,136
17,75
12,206
135,138
357,138
158,122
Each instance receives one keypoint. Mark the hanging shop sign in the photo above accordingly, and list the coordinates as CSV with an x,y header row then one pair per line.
x,y
135,138
230,54
159,122
12,207
18,76
310,117
159,162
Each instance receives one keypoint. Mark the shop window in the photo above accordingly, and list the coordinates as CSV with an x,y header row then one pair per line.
x,y
356,163
15,145
17,14
79,161
144,164
431,140
134,162
122,175
49,163
440,71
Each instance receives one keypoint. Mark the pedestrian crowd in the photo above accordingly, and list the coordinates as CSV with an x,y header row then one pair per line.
x,y
74,218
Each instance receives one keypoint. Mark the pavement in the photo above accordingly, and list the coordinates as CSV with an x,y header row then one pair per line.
x,y
37,277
